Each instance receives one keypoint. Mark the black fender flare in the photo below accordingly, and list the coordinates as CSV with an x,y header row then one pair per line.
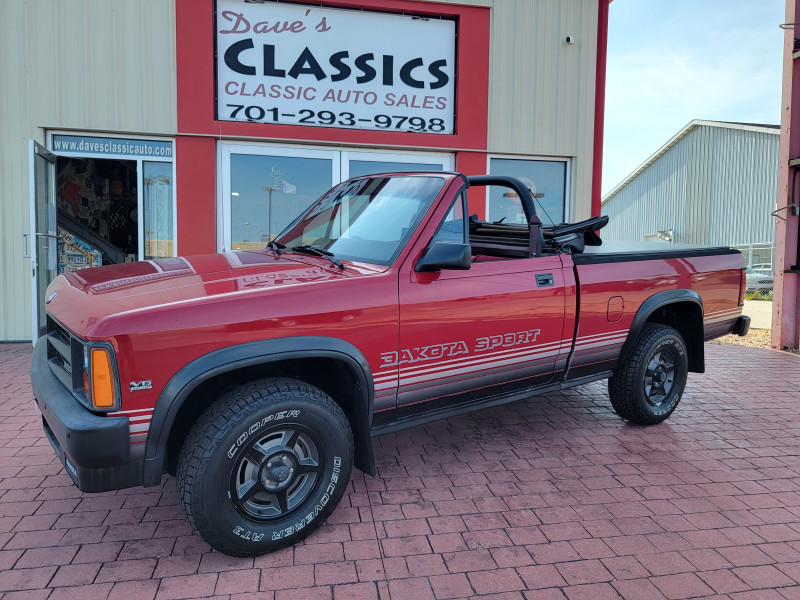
x,y
650,306
231,358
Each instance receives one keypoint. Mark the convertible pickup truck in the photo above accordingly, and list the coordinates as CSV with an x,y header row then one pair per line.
x,y
258,378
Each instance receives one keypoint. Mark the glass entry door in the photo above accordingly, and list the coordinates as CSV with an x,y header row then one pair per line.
x,y
44,238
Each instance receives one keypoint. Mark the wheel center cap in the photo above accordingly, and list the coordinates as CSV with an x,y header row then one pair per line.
x,y
279,472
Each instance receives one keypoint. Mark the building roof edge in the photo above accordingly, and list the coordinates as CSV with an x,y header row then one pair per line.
x,y
772,129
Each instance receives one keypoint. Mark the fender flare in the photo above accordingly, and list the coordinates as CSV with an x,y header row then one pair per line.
x,y
231,358
651,305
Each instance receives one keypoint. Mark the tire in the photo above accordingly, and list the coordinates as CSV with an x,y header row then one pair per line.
x,y
647,387
264,466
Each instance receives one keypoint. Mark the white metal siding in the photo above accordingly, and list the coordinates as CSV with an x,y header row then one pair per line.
x,y
85,64
717,185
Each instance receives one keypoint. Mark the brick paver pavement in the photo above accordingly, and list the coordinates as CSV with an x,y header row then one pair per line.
x,y
553,497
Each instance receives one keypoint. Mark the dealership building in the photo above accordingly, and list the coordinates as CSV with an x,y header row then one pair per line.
x,y
134,130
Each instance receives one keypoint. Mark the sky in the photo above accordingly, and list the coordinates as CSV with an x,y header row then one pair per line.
x,y
671,61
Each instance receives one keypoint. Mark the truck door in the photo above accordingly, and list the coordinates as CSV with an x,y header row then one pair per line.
x,y
467,334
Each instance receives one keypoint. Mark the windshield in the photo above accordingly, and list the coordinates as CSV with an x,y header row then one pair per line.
x,y
365,220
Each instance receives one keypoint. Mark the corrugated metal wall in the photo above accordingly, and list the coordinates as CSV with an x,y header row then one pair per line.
x,y
109,65
717,185
86,64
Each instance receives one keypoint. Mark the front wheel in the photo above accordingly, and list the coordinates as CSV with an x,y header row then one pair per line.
x,y
649,383
264,466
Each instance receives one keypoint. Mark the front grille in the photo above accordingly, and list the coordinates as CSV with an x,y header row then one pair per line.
x,y
65,357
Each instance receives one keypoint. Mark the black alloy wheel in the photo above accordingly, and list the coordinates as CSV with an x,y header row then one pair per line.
x,y
648,384
276,473
659,377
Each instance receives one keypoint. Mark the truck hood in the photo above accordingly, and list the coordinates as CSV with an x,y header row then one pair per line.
x,y
79,300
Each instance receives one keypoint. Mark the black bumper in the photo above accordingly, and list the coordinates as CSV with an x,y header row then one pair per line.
x,y
95,450
742,326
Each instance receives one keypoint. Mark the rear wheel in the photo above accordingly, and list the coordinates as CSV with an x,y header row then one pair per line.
x,y
264,466
648,385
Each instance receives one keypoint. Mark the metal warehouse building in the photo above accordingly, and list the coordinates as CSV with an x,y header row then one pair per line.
x,y
713,183
141,129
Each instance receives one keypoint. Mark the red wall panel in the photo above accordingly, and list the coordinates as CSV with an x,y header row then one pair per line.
x,y
474,163
195,163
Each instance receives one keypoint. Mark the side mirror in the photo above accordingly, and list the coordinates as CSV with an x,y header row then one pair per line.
x,y
445,255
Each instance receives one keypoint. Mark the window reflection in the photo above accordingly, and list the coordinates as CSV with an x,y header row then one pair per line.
x,y
268,192
371,167
158,214
366,220
549,182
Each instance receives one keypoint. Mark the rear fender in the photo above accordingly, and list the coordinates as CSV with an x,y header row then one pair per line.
x,y
680,309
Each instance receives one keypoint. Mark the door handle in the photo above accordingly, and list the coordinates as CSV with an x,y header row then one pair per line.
x,y
39,234
26,245
544,280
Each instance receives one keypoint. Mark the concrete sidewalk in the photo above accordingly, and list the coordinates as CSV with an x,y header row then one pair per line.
x,y
552,497
760,313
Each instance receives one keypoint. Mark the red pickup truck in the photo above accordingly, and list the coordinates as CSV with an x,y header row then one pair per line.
x,y
258,378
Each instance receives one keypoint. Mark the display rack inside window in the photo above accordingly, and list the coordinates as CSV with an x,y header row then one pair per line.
x,y
97,212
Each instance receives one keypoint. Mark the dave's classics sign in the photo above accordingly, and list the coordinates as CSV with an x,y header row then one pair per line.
x,y
308,65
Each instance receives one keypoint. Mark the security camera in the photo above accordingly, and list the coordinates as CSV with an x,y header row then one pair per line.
x,y
570,39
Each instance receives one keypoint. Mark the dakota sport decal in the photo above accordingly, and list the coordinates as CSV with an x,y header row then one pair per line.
x,y
452,349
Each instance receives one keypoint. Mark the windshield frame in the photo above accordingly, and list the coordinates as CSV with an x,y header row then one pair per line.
x,y
290,237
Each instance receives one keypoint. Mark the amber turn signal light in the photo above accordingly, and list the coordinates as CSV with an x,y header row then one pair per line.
x,y
102,374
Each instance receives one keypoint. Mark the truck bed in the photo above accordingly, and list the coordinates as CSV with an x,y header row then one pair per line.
x,y
622,276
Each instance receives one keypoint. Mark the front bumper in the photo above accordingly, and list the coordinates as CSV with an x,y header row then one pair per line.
x,y
742,326
95,450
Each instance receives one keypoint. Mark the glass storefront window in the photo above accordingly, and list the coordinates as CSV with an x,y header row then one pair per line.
x,y
158,210
549,183
269,191
265,187
372,167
